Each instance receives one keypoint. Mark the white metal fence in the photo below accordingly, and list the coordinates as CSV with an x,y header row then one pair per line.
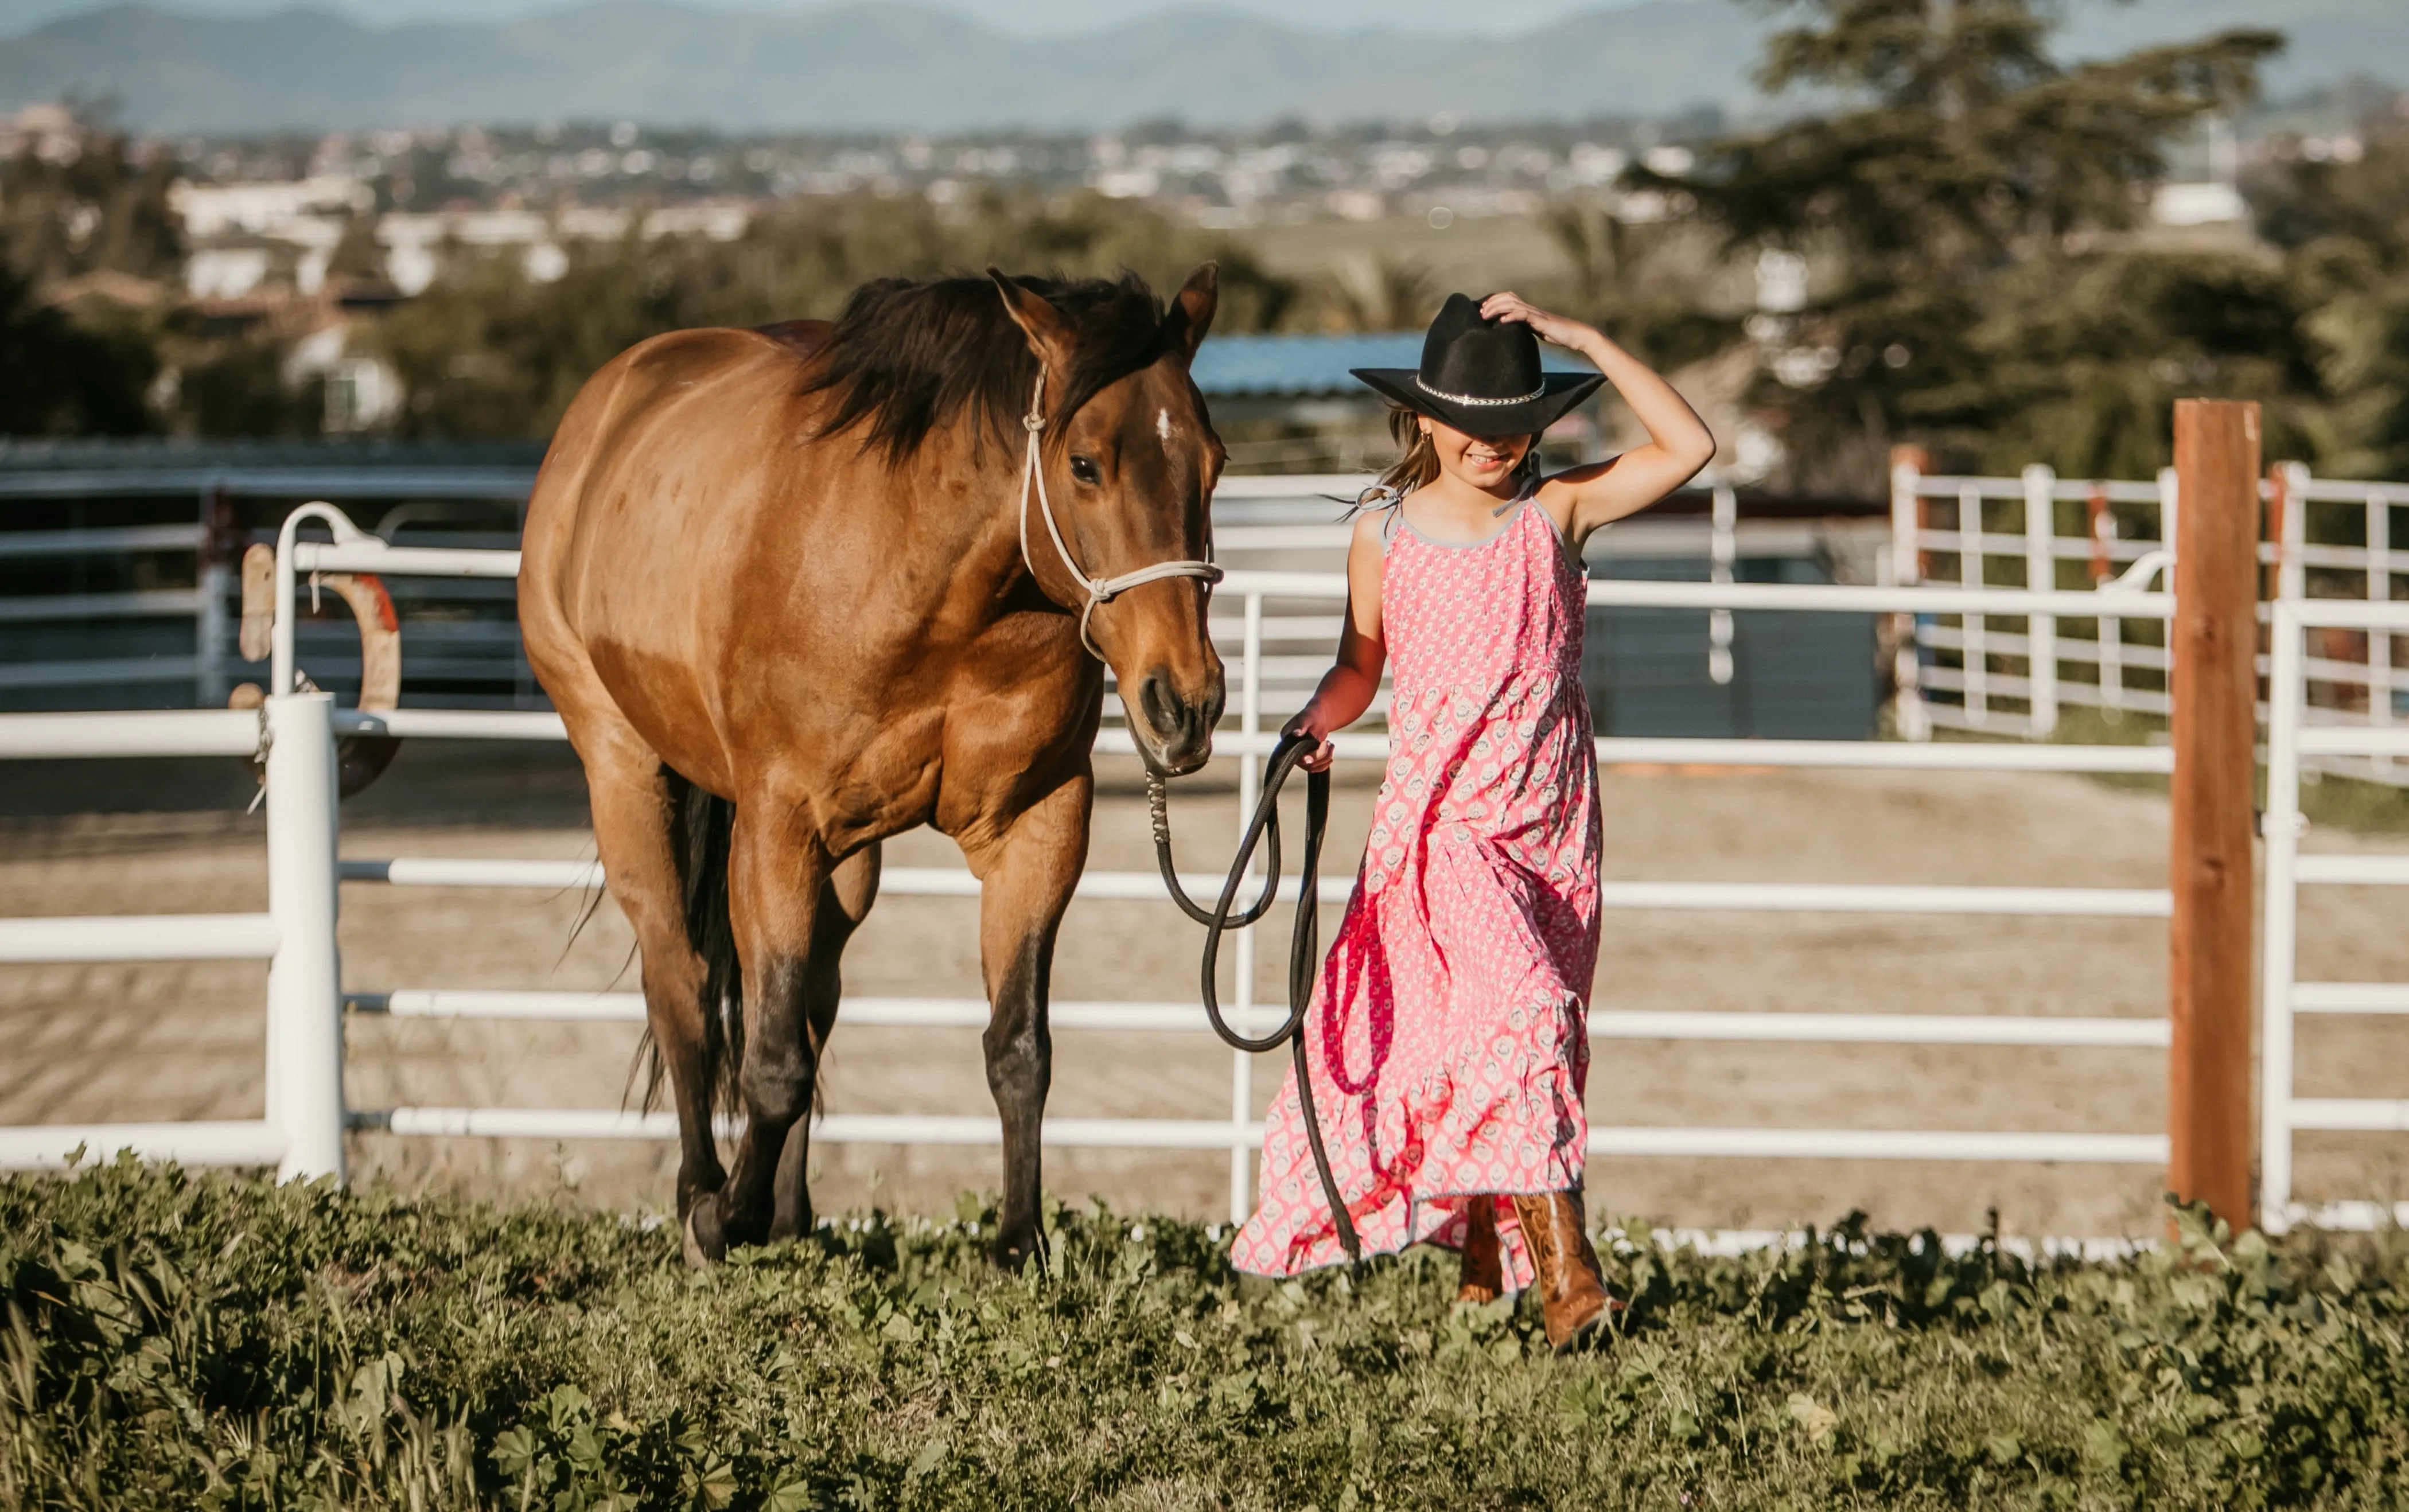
x,y
1972,672
2293,741
305,1112
185,572
301,1133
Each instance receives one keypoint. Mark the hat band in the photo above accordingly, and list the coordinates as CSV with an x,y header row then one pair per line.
x,y
1473,398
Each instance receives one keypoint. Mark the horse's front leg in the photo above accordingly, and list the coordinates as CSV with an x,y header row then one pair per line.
x,y
1026,878
778,885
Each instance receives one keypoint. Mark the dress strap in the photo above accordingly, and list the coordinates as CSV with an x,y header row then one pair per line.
x,y
1556,532
1380,496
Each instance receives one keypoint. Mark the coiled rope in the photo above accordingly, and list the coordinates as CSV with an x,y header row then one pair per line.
x,y
1304,955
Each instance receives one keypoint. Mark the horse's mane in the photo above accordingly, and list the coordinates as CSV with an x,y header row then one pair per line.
x,y
907,355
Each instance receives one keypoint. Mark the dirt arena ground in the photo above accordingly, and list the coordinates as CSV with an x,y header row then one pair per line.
x,y
185,1040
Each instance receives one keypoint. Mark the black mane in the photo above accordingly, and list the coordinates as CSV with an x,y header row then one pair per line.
x,y
910,354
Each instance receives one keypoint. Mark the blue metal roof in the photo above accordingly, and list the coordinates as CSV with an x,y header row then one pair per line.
x,y
1300,365
1229,365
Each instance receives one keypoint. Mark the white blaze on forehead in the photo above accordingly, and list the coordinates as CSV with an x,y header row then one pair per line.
x,y
1163,424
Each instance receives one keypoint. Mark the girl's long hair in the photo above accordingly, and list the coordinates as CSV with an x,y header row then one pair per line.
x,y
1418,462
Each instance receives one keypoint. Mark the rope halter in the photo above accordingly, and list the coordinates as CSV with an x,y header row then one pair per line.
x,y
1098,590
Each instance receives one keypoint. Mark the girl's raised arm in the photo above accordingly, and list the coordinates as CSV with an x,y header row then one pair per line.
x,y
1679,442
1348,687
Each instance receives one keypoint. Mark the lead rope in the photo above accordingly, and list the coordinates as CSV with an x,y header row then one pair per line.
x,y
1303,946
1098,590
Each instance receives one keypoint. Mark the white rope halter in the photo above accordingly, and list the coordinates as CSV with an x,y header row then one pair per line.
x,y
1098,590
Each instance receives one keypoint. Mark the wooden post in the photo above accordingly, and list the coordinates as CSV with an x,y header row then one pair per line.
x,y
2215,633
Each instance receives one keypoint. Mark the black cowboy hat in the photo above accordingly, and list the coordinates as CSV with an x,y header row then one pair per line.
x,y
1482,375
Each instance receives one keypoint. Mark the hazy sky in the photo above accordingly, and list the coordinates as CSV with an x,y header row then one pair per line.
x,y
2098,26
1014,16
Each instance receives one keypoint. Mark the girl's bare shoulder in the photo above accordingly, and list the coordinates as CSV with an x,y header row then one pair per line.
x,y
1375,521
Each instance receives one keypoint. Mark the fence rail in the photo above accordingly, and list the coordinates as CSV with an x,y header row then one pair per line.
x,y
204,659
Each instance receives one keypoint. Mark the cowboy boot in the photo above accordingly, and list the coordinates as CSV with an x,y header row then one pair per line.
x,y
1572,1294
1483,1278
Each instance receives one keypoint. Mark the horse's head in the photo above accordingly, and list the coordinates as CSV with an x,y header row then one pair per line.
x,y
1128,462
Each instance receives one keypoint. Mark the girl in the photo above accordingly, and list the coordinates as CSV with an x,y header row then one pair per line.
x,y
1448,1039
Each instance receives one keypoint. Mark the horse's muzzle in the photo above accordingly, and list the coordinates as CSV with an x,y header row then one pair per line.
x,y
1174,729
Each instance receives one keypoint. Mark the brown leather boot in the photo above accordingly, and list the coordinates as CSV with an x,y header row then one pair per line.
x,y
1482,1277
1572,1293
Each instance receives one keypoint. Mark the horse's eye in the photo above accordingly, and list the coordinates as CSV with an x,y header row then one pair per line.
x,y
1084,469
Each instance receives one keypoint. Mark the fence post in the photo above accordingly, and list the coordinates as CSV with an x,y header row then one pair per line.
x,y
2279,504
2379,589
2041,574
2112,630
2292,553
1722,550
1907,465
2214,638
1974,574
2278,959
305,1023
1242,1064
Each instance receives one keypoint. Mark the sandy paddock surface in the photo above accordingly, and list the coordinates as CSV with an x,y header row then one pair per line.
x,y
121,1043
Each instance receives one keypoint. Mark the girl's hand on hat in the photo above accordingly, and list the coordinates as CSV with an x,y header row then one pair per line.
x,y
1547,327
1310,722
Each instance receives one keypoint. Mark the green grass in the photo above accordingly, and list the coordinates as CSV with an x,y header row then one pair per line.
x,y
184,1341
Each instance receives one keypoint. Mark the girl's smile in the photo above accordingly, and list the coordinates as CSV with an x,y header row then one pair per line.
x,y
1487,462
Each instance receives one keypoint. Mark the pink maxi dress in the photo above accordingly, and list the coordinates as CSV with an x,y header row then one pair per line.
x,y
1448,1040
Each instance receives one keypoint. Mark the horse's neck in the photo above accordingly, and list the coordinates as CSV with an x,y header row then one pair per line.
x,y
968,509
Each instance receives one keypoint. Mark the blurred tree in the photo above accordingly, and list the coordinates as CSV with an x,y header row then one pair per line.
x,y
1368,292
357,259
492,352
86,235
87,203
234,383
2343,227
2077,361
1959,210
1650,285
64,377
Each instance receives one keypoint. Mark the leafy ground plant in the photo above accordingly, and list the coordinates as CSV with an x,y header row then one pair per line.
x,y
172,1340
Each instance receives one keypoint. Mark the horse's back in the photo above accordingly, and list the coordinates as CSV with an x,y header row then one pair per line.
x,y
663,430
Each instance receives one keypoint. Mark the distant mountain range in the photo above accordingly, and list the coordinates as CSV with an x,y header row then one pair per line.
x,y
869,67
897,68
1017,17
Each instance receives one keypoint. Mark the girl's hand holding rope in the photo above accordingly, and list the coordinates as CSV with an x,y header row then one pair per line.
x,y
1311,724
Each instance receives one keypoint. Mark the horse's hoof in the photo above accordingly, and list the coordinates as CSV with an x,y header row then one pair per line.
x,y
1014,1252
705,1245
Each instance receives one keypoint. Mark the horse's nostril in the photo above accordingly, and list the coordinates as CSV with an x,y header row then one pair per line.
x,y
1162,710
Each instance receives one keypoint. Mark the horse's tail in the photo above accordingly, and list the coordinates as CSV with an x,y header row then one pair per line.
x,y
701,824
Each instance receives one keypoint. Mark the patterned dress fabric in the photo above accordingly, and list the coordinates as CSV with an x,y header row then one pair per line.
x,y
1446,1041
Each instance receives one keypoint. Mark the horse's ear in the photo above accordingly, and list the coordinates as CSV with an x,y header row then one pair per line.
x,y
1048,336
1191,312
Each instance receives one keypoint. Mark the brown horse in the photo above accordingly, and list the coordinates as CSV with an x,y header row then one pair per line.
x,y
781,587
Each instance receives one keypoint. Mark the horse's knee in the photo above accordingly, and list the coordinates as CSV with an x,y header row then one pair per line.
x,y
777,1083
